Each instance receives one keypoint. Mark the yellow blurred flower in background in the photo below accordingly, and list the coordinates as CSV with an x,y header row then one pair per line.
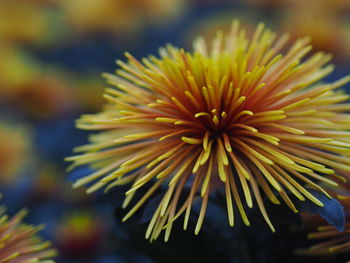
x,y
16,151
89,16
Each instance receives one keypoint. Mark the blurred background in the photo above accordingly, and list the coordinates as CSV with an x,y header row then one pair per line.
x,y
52,54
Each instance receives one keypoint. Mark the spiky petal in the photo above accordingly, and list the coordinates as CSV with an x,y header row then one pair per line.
x,y
19,242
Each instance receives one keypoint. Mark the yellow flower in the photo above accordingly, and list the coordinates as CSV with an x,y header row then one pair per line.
x,y
330,239
117,16
334,241
244,114
15,151
32,28
19,242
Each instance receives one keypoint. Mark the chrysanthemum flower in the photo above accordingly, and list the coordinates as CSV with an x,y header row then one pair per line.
x,y
31,87
318,20
19,242
336,4
32,28
15,151
331,240
334,241
80,234
243,116
88,16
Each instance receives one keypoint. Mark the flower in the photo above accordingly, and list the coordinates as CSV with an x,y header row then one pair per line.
x,y
15,151
34,26
19,242
246,115
79,234
33,87
318,21
96,16
335,241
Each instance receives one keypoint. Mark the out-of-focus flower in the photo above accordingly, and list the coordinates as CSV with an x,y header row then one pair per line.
x,y
319,22
33,27
80,234
239,116
38,90
335,241
331,4
85,89
91,16
16,67
331,240
48,182
43,97
318,19
267,3
15,151
19,242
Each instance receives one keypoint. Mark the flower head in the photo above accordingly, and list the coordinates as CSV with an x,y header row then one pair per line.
x,y
33,28
91,16
318,21
28,85
19,242
245,115
15,151
79,234
331,240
